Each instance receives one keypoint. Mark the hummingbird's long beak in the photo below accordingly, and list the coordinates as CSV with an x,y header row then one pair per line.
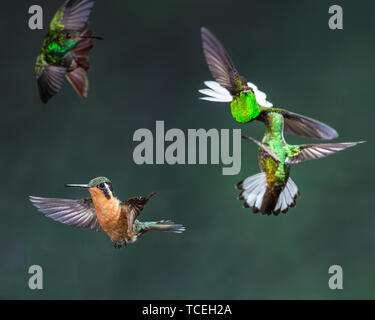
x,y
91,37
85,186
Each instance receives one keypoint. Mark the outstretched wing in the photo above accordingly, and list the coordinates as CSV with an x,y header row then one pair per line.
x,y
50,81
220,64
316,151
135,205
306,127
73,15
78,213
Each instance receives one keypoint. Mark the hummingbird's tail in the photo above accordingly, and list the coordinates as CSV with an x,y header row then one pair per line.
x,y
79,81
257,196
163,225
78,77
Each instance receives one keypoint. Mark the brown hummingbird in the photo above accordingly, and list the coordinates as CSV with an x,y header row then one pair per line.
x,y
103,211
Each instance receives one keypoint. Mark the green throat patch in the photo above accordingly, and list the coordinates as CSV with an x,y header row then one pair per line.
x,y
245,107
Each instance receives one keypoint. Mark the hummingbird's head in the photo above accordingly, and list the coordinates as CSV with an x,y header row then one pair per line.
x,y
248,91
244,106
98,187
63,42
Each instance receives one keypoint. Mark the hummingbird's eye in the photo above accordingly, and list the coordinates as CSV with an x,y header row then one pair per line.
x,y
68,35
101,186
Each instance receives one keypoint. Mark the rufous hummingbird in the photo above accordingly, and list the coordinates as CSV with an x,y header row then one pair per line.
x,y
104,212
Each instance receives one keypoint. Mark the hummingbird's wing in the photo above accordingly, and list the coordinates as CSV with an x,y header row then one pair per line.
x,y
72,15
50,81
264,147
134,207
78,213
220,64
306,127
316,151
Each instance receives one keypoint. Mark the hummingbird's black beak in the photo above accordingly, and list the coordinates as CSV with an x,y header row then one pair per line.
x,y
84,186
91,37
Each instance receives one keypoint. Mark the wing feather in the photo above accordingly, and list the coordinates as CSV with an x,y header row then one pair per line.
x,y
50,81
317,151
73,15
78,213
135,205
299,125
220,64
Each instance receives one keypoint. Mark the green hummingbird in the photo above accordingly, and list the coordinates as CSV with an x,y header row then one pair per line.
x,y
65,50
104,212
246,100
273,190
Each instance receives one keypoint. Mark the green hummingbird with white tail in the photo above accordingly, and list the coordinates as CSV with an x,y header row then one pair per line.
x,y
246,101
104,212
273,190
65,50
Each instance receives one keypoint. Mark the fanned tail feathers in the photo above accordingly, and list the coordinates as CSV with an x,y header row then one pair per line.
x,y
287,198
253,190
256,195
79,81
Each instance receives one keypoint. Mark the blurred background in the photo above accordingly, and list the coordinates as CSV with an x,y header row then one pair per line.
x,y
149,68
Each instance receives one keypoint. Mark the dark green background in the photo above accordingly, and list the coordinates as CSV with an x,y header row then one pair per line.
x,y
149,68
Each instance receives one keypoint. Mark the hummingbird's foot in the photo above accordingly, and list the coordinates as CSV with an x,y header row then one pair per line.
x,y
119,244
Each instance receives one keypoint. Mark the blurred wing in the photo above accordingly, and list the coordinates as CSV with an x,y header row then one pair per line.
x,y
306,127
220,64
73,15
135,205
50,81
316,151
78,213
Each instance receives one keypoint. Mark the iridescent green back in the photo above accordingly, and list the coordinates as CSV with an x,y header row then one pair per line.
x,y
277,173
56,47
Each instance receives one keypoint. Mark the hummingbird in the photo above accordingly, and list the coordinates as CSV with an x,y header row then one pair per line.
x,y
65,50
104,212
273,190
247,102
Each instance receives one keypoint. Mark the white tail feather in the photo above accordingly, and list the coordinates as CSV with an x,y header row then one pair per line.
x,y
254,188
287,196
